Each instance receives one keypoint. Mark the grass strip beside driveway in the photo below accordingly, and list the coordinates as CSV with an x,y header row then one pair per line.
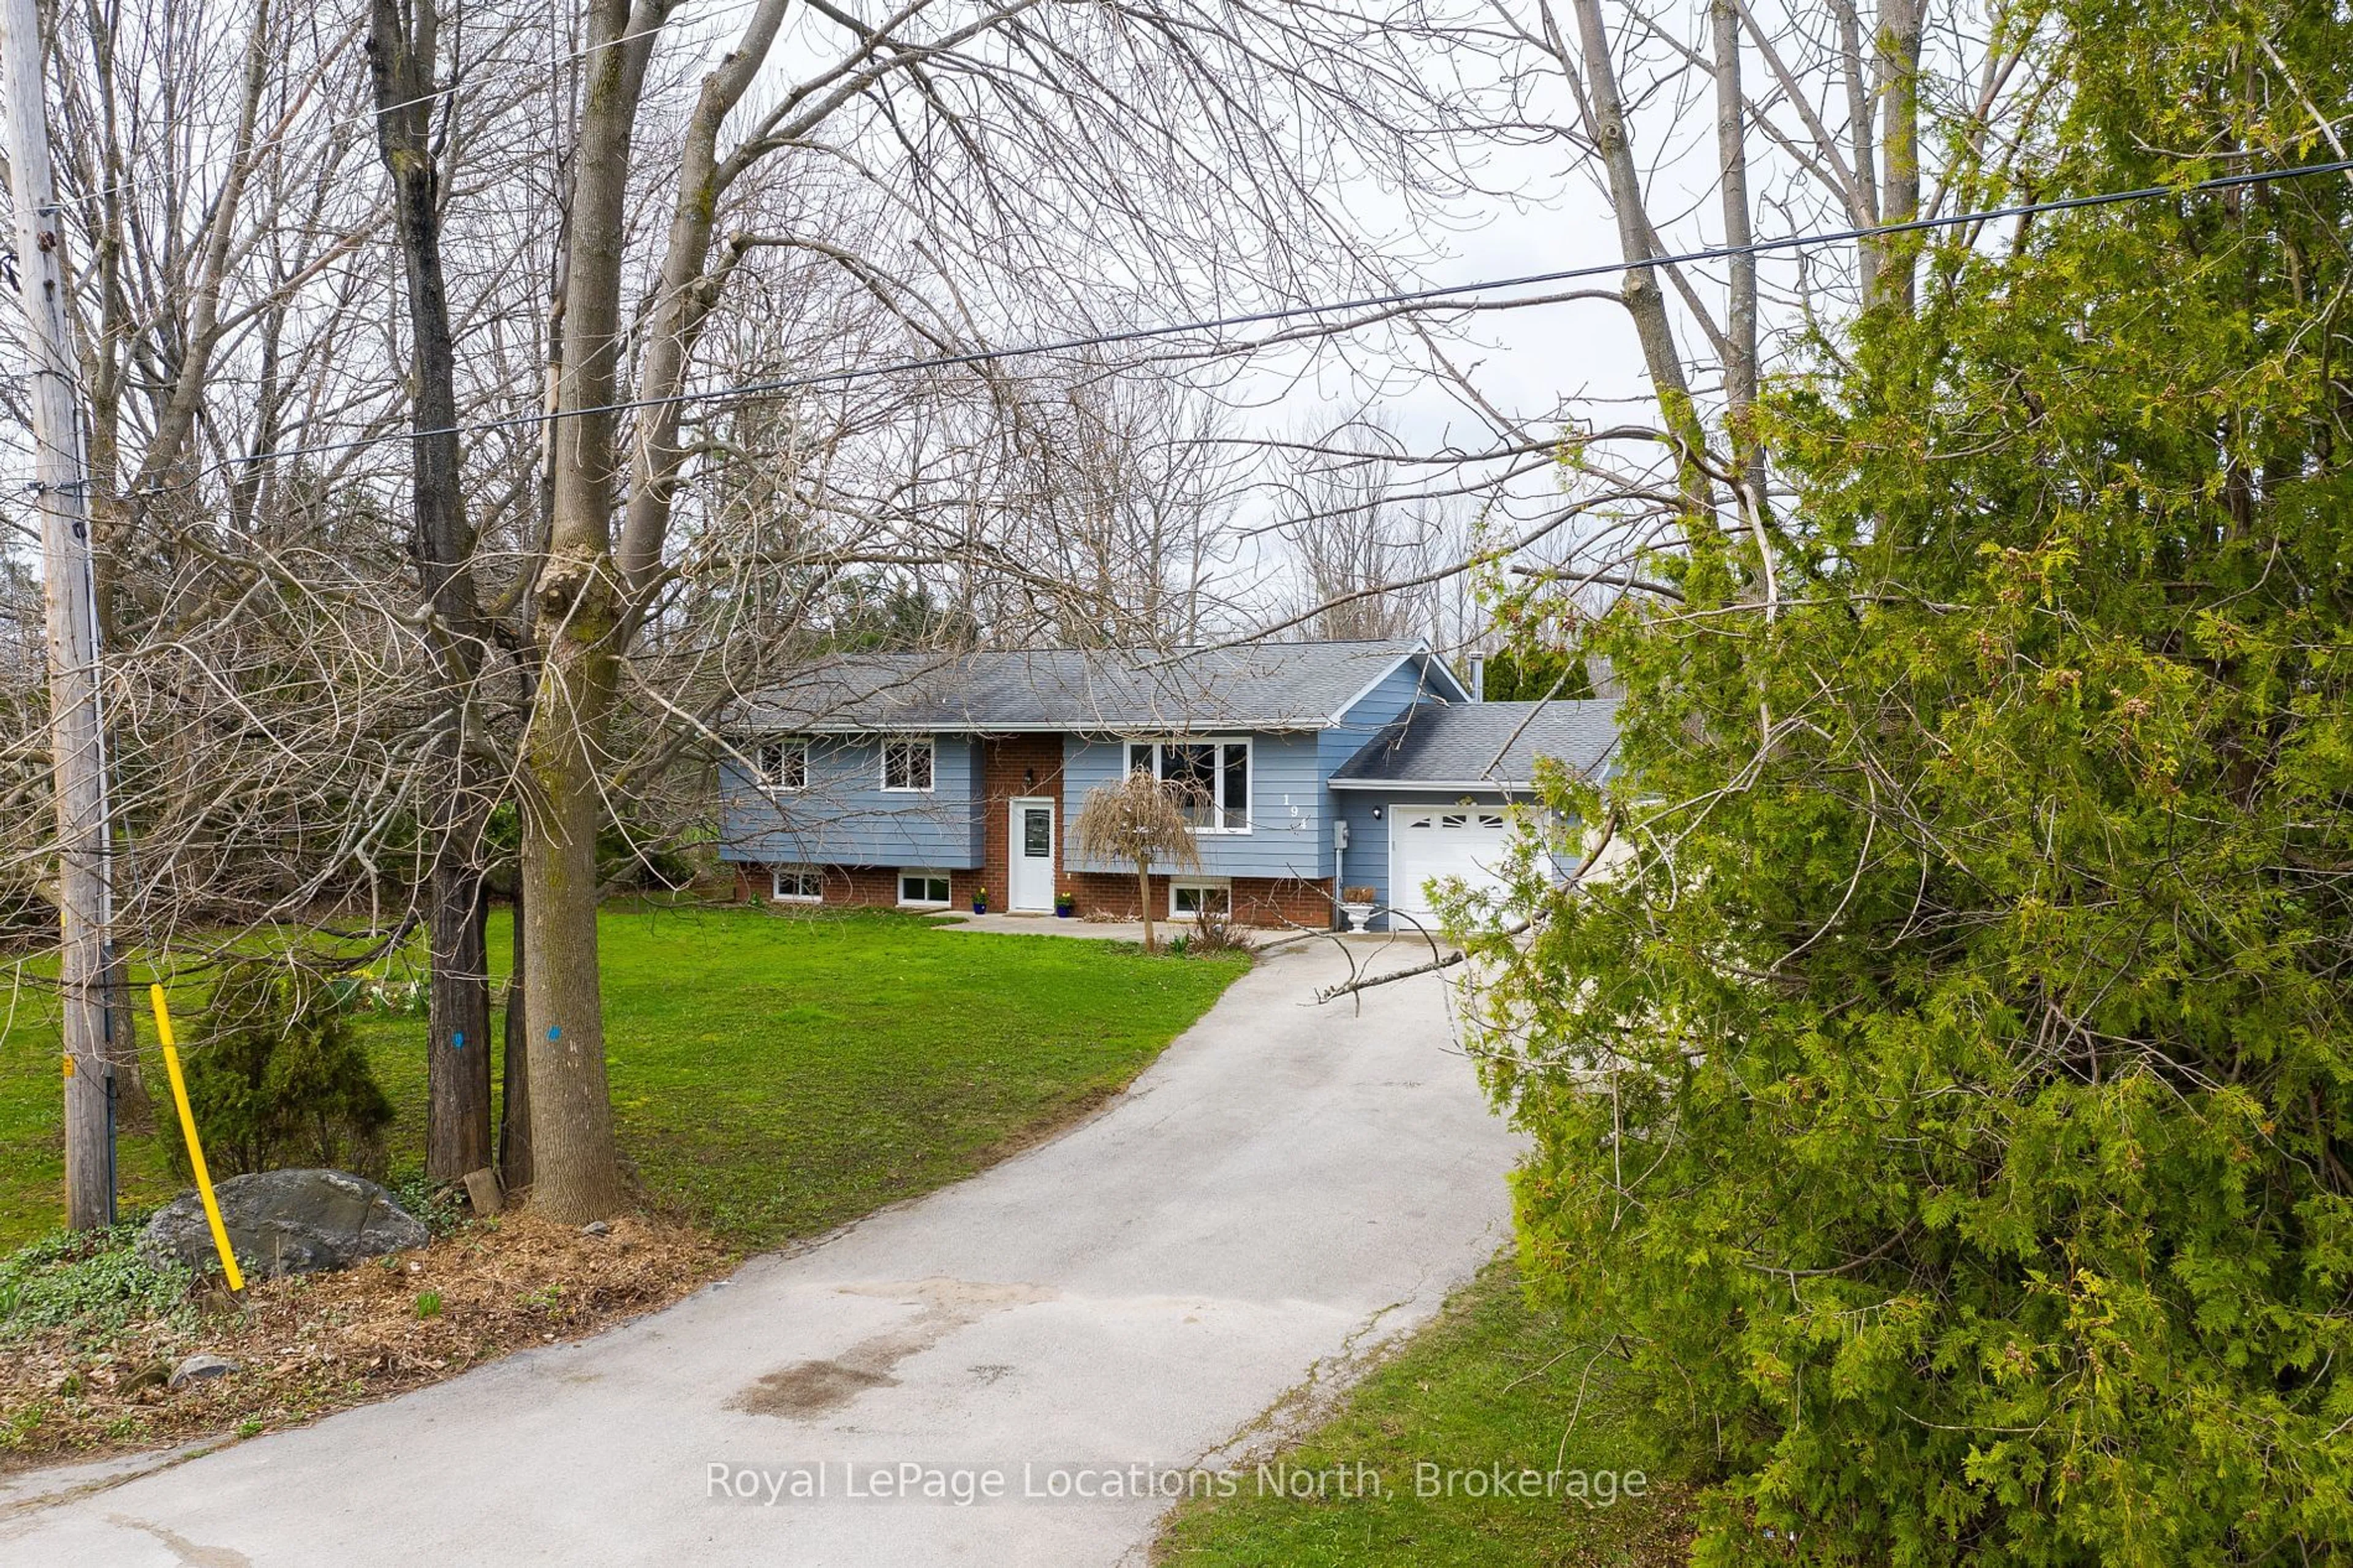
x,y
1488,1389
774,1075
777,1076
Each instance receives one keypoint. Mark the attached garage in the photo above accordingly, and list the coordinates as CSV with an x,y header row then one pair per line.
x,y
1433,844
1427,797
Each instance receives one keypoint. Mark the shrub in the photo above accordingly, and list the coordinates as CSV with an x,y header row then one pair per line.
x,y
637,855
1216,932
276,1079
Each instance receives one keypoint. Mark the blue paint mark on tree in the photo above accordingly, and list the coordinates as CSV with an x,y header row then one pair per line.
x,y
458,1040
553,1033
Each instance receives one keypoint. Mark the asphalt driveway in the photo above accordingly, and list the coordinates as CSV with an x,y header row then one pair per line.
x,y
1286,1188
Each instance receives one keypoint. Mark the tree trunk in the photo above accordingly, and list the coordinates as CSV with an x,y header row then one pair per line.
x,y
576,1167
1898,80
457,1044
134,1111
515,1100
457,1075
1144,899
685,294
579,628
1740,370
1854,74
1645,302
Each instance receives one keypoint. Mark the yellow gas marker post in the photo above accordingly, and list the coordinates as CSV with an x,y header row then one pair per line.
x,y
195,1149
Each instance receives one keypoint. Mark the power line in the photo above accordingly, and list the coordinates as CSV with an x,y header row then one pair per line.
x,y
1435,297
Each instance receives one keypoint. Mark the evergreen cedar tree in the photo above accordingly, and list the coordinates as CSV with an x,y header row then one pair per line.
x,y
278,1080
1946,1119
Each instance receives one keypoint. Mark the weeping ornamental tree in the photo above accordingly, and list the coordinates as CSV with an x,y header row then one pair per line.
x,y
1946,1117
1137,821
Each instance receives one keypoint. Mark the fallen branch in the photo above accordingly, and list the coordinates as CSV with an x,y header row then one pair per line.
x,y
1334,993
1448,961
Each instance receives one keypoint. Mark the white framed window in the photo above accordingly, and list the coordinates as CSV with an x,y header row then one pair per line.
x,y
1191,901
796,884
907,767
784,764
1211,777
923,889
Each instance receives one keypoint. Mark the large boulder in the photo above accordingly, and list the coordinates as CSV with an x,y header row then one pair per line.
x,y
287,1222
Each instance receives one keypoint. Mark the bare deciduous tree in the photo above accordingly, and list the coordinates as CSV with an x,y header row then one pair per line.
x,y
404,40
1369,563
1010,135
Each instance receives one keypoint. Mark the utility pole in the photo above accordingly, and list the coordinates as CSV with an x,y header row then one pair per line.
x,y
76,737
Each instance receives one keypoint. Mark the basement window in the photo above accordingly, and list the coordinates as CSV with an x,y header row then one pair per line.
x,y
1191,901
923,889
798,884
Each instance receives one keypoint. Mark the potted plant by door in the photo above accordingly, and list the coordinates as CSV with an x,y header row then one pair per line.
x,y
1065,906
980,901
1357,904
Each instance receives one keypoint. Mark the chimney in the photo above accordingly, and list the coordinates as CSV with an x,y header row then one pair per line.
x,y
1478,678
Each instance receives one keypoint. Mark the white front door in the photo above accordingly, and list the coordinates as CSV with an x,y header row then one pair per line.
x,y
1032,872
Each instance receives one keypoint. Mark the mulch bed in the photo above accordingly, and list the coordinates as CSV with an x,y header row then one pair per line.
x,y
321,1343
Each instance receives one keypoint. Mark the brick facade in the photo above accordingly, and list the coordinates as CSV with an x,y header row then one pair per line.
x,y
1012,767
1257,900
869,886
1284,902
1278,902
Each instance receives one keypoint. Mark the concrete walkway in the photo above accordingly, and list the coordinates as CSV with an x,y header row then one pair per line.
x,y
1286,1188
1054,925
1412,948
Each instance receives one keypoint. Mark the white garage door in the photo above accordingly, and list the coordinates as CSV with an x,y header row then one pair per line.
x,y
1438,842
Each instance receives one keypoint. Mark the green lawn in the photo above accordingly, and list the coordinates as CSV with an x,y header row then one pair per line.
x,y
1487,1386
774,1075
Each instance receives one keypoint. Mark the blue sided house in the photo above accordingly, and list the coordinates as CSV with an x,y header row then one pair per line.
x,y
925,779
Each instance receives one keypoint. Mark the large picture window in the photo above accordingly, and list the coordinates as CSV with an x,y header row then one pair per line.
x,y
907,765
1210,778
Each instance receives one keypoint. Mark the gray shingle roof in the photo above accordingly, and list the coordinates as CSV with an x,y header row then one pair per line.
x,y
1260,686
1496,743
